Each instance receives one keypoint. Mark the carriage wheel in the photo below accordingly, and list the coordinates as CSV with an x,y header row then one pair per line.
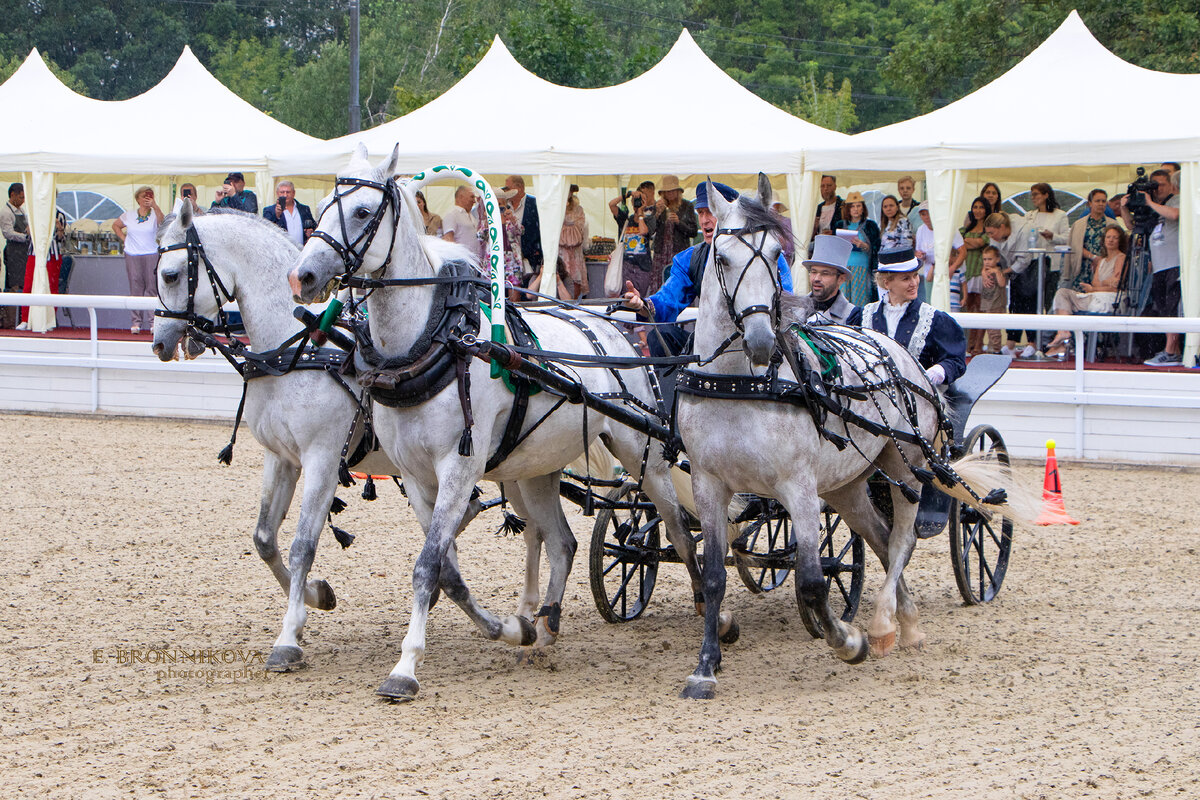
x,y
980,547
770,547
842,555
623,561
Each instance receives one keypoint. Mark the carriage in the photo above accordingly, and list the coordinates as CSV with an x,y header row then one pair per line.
x,y
627,546
431,411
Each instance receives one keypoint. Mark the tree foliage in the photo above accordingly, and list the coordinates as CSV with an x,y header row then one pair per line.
x,y
848,65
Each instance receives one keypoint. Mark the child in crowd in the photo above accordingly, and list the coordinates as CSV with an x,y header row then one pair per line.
x,y
994,294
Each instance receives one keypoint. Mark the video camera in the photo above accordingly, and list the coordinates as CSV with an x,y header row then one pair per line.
x,y
1143,215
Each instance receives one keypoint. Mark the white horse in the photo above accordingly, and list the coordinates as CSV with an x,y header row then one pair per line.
x,y
774,449
301,418
368,229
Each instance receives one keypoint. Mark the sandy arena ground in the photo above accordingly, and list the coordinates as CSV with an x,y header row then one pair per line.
x,y
1079,681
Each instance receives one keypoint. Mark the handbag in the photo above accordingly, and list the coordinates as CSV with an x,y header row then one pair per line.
x,y
614,276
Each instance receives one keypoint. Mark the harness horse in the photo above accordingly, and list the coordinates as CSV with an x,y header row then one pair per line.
x,y
761,420
447,421
306,415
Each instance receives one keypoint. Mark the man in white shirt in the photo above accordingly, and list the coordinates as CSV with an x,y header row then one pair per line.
x,y
924,248
295,218
459,225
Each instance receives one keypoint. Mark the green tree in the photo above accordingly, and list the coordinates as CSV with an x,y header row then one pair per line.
x,y
255,71
825,106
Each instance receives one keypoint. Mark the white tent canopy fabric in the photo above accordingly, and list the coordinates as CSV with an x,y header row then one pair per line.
x,y
1017,120
154,133
714,126
1020,120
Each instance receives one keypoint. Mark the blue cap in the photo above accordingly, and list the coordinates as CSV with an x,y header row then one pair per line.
x,y
702,194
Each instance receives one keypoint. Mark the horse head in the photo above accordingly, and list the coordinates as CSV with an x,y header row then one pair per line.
x,y
179,282
355,231
745,250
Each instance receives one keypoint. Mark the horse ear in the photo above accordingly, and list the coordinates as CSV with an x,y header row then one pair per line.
x,y
716,200
359,159
185,214
764,190
388,169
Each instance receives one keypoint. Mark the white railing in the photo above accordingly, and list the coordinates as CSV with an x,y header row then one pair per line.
x,y
94,361
1079,396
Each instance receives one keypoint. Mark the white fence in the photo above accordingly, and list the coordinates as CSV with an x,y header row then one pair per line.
x,y
1115,415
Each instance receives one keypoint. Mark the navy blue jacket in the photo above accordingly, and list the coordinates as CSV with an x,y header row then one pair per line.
x,y
945,342
531,238
306,218
678,292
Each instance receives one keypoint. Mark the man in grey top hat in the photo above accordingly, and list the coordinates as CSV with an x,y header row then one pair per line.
x,y
827,271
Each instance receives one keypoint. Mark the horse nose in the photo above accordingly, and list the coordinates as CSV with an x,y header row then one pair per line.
x,y
760,342
298,279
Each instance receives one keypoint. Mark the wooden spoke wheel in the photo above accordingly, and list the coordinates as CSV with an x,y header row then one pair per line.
x,y
766,549
842,556
623,561
980,547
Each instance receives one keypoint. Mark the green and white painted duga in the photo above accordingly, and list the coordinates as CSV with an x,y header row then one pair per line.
x,y
495,248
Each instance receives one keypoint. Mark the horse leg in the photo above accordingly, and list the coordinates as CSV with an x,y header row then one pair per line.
x,y
801,501
278,486
894,595
530,594
437,565
319,488
712,503
541,499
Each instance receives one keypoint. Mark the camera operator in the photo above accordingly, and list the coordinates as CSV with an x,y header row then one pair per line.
x,y
637,209
187,194
1157,211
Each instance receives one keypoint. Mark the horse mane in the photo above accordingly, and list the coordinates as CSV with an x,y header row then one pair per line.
x,y
760,217
441,252
264,224
795,309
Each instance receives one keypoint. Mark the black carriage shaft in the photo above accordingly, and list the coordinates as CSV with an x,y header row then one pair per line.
x,y
574,392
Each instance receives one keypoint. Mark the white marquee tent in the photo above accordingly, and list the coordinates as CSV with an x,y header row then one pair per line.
x,y
188,124
502,119
1025,118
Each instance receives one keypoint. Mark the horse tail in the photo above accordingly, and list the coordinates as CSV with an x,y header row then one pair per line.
x,y
984,473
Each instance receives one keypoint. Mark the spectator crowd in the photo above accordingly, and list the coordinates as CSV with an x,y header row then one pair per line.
x,y
1121,257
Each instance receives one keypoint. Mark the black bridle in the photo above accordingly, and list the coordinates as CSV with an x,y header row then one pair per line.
x,y
739,317
352,253
221,295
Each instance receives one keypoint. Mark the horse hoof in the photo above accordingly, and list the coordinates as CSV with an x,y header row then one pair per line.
x,y
732,633
326,600
859,655
881,646
699,689
399,688
916,642
285,658
528,631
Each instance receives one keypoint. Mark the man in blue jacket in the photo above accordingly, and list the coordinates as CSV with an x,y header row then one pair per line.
x,y
683,287
295,218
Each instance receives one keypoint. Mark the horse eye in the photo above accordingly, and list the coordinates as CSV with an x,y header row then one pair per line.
x,y
362,212
170,277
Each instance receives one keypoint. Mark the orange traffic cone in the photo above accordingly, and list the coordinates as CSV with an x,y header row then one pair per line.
x,y
1054,511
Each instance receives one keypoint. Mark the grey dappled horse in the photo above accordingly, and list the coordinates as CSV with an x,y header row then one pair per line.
x,y
301,418
368,229
774,449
